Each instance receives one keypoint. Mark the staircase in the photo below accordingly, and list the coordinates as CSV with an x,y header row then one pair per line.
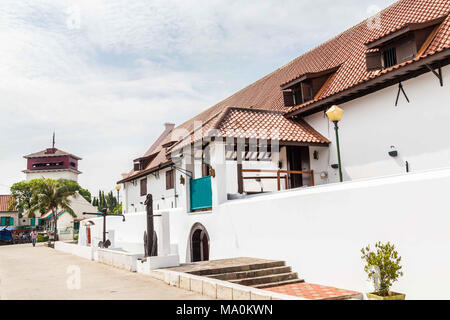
x,y
258,275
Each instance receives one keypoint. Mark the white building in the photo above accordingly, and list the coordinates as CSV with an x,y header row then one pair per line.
x,y
223,174
389,83
53,163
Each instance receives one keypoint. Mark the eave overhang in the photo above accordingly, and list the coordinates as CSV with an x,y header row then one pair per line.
x,y
310,75
402,72
403,30
145,172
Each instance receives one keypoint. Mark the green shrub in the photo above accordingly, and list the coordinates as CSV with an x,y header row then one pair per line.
x,y
75,237
382,267
41,238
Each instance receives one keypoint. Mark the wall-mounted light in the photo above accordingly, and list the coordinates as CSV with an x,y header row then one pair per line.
x,y
316,155
212,172
393,153
335,166
323,175
182,180
280,164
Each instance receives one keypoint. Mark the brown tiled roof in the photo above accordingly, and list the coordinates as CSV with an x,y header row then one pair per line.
x,y
258,124
157,151
156,146
346,52
56,153
5,201
350,46
247,123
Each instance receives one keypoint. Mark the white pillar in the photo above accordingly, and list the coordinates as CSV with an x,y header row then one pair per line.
x,y
165,234
219,182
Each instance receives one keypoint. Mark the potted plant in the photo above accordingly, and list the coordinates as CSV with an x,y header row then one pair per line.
x,y
383,268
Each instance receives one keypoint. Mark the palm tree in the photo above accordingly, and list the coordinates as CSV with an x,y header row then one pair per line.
x,y
52,195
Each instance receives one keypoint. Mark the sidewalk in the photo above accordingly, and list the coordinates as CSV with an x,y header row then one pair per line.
x,y
43,273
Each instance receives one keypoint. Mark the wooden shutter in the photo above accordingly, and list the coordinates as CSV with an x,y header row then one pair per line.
x,y
306,92
288,97
144,187
169,179
406,50
373,60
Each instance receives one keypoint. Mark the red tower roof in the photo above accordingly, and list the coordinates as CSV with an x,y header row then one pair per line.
x,y
51,152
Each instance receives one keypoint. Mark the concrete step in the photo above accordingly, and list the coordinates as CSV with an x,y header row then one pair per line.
x,y
239,268
276,284
271,278
251,274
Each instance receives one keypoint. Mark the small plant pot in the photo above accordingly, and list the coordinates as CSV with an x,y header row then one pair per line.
x,y
391,296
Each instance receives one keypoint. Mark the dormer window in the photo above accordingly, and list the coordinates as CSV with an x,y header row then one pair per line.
x,y
402,45
306,87
142,163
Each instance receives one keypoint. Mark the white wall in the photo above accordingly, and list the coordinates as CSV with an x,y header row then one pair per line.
x,y
319,231
63,174
129,234
251,185
156,185
372,124
80,251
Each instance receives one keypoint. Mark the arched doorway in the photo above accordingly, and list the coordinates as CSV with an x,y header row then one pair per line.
x,y
199,240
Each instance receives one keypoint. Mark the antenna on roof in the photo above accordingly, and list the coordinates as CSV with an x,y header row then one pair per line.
x,y
53,144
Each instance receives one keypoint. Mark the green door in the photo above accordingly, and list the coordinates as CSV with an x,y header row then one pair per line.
x,y
33,222
2,221
201,193
11,221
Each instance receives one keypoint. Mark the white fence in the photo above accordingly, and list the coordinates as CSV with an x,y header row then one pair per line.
x,y
320,231
80,251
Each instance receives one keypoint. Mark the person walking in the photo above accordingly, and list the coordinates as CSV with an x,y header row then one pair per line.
x,y
33,237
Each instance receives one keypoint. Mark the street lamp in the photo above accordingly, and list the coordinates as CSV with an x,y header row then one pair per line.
x,y
118,201
334,114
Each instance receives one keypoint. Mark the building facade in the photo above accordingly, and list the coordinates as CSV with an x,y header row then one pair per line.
x,y
389,78
55,164
8,216
257,174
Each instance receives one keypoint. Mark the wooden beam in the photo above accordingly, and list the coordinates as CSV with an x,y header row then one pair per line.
x,y
438,74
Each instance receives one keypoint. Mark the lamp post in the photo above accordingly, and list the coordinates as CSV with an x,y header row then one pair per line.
x,y
334,114
118,201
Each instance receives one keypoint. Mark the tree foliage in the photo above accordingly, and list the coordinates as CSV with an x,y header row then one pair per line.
x,y
23,200
382,267
22,195
108,201
48,194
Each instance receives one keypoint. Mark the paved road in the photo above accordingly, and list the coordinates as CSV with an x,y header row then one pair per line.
x,y
43,273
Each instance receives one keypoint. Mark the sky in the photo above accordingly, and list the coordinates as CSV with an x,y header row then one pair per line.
x,y
106,75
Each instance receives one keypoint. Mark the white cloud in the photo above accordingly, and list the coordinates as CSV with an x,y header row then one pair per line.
x,y
107,79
